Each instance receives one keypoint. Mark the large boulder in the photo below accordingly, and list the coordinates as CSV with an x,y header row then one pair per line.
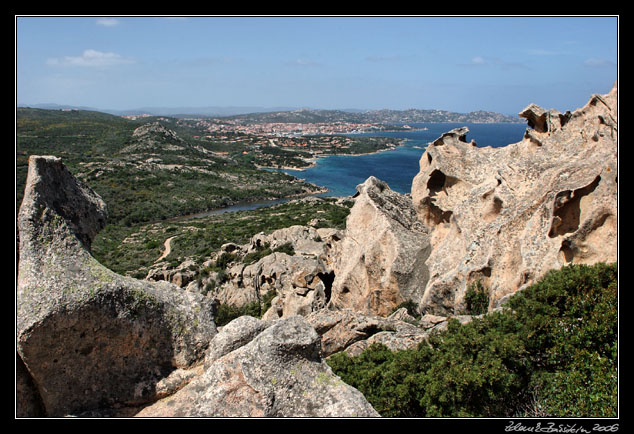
x,y
88,337
505,216
380,261
279,373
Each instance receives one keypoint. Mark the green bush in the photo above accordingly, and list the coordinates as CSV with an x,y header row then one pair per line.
x,y
477,299
259,253
411,306
224,260
553,347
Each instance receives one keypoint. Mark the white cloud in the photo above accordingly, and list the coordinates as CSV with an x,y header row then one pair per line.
x,y
90,58
108,22
302,63
494,62
598,63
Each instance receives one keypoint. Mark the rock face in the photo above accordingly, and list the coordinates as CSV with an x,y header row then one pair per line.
x,y
279,373
380,261
88,337
505,216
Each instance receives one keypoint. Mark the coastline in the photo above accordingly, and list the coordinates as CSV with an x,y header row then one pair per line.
x,y
247,205
313,161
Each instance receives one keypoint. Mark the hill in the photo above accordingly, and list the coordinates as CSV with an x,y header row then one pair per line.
x,y
374,116
146,169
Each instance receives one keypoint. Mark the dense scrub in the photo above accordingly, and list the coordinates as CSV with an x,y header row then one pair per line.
x,y
551,352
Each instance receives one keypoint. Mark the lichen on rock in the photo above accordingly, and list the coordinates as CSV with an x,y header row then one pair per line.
x,y
87,336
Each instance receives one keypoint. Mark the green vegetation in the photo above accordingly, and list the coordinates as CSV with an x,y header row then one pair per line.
x,y
477,299
552,352
133,250
151,170
411,306
146,173
252,258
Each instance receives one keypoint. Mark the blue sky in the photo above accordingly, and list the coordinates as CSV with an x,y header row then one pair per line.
x,y
459,64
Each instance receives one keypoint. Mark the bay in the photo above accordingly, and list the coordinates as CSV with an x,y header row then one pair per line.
x,y
398,167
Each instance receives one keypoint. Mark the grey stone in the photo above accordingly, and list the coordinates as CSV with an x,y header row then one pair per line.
x,y
89,337
280,373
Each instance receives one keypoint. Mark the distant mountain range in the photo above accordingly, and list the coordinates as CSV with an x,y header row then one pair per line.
x,y
167,111
305,115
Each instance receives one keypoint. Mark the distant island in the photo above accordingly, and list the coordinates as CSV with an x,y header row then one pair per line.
x,y
375,116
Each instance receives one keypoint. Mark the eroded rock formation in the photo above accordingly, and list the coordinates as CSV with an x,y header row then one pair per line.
x,y
380,261
505,216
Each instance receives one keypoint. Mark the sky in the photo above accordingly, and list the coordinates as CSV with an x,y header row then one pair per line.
x,y
455,63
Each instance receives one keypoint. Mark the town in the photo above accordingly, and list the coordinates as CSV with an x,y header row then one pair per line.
x,y
289,145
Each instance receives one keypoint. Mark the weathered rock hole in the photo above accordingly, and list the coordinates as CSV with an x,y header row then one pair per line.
x,y
434,214
327,279
566,252
567,210
436,182
497,205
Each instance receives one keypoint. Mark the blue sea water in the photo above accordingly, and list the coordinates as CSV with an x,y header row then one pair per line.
x,y
342,173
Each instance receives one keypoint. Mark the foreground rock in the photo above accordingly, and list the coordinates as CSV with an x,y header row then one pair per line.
x,y
89,338
380,261
279,373
505,216
92,343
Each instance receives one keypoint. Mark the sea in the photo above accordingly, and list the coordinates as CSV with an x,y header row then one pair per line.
x,y
398,167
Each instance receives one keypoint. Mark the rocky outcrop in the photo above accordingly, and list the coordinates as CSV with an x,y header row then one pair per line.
x,y
505,216
305,240
92,343
88,337
278,373
301,281
380,261
352,332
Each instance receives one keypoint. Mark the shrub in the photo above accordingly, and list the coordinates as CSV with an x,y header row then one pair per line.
x,y
285,248
226,313
411,306
253,257
552,350
224,260
476,299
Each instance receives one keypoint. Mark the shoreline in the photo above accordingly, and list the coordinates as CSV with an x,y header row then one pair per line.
x,y
313,161
245,206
